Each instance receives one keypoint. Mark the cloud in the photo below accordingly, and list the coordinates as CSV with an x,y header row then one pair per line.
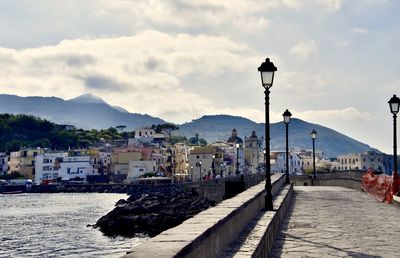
x,y
342,115
229,16
328,5
360,30
150,72
304,49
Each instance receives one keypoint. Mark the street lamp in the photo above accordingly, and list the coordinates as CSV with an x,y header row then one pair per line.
x,y
213,166
264,152
394,104
267,70
286,119
237,158
192,172
313,136
201,176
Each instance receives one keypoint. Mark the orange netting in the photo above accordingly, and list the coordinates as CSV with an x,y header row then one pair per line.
x,y
381,187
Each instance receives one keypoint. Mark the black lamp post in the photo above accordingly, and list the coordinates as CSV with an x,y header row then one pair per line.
x,y
264,152
237,158
267,70
313,136
213,166
286,119
201,176
394,104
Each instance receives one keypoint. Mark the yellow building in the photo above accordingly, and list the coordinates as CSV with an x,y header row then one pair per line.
x,y
120,163
180,164
23,161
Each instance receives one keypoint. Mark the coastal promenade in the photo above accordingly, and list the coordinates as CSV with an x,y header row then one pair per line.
x,y
337,222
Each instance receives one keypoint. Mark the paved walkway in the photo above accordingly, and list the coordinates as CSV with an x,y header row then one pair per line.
x,y
338,222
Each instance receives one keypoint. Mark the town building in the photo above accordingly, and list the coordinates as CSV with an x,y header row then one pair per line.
x,y
120,163
47,167
4,160
204,163
137,168
180,161
75,168
146,136
252,152
226,164
235,141
362,161
23,162
60,166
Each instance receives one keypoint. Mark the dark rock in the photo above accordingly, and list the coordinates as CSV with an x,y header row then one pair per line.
x,y
151,210
120,203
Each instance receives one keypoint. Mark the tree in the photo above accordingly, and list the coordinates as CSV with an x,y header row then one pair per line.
x,y
203,142
120,128
178,139
196,140
166,128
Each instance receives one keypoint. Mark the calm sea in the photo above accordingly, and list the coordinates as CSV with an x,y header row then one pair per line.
x,y
54,225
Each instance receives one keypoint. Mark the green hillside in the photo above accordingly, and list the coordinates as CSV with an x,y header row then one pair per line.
x,y
18,131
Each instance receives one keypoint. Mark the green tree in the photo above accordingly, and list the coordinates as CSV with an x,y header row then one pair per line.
x,y
167,129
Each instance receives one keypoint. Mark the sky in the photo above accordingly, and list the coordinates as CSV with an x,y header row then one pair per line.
x,y
338,61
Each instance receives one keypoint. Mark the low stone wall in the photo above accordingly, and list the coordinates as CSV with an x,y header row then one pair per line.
x,y
208,233
348,179
259,241
215,189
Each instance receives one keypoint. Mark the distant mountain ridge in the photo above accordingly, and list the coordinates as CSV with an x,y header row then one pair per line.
x,y
219,127
91,112
84,111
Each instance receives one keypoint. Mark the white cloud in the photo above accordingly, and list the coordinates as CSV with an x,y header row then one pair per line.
x,y
304,49
343,115
360,30
328,5
145,73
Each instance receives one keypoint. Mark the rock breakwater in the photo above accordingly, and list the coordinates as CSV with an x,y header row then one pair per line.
x,y
152,211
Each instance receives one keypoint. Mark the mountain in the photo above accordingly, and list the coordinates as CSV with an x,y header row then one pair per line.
x,y
219,127
91,112
88,98
86,111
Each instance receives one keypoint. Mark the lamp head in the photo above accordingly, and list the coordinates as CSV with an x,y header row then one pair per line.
x,y
394,104
313,134
286,116
267,70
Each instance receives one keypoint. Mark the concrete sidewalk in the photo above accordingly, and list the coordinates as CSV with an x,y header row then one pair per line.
x,y
338,222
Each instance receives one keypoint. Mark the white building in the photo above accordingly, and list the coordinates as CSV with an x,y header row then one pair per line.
x,y
146,135
138,168
76,168
278,163
53,166
47,166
